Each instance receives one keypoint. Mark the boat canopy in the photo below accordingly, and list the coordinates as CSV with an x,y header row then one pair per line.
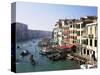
x,y
66,47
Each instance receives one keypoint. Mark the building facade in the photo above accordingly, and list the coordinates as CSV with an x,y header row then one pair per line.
x,y
61,33
88,38
80,32
89,45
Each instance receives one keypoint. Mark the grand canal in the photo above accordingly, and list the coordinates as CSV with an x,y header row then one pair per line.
x,y
42,63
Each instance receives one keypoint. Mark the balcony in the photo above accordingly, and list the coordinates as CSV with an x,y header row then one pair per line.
x,y
90,36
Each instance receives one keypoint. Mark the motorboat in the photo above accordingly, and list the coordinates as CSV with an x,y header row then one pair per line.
x,y
24,53
18,46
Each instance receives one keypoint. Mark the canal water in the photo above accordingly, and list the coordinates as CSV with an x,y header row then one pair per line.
x,y
42,63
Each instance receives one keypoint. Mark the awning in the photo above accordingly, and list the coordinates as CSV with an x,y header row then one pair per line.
x,y
66,47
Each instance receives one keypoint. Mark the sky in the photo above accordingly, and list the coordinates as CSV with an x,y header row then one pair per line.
x,y
41,16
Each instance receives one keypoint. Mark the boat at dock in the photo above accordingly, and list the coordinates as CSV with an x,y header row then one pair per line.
x,y
45,51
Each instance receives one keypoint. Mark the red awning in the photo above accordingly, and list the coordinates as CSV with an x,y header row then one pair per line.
x,y
66,47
